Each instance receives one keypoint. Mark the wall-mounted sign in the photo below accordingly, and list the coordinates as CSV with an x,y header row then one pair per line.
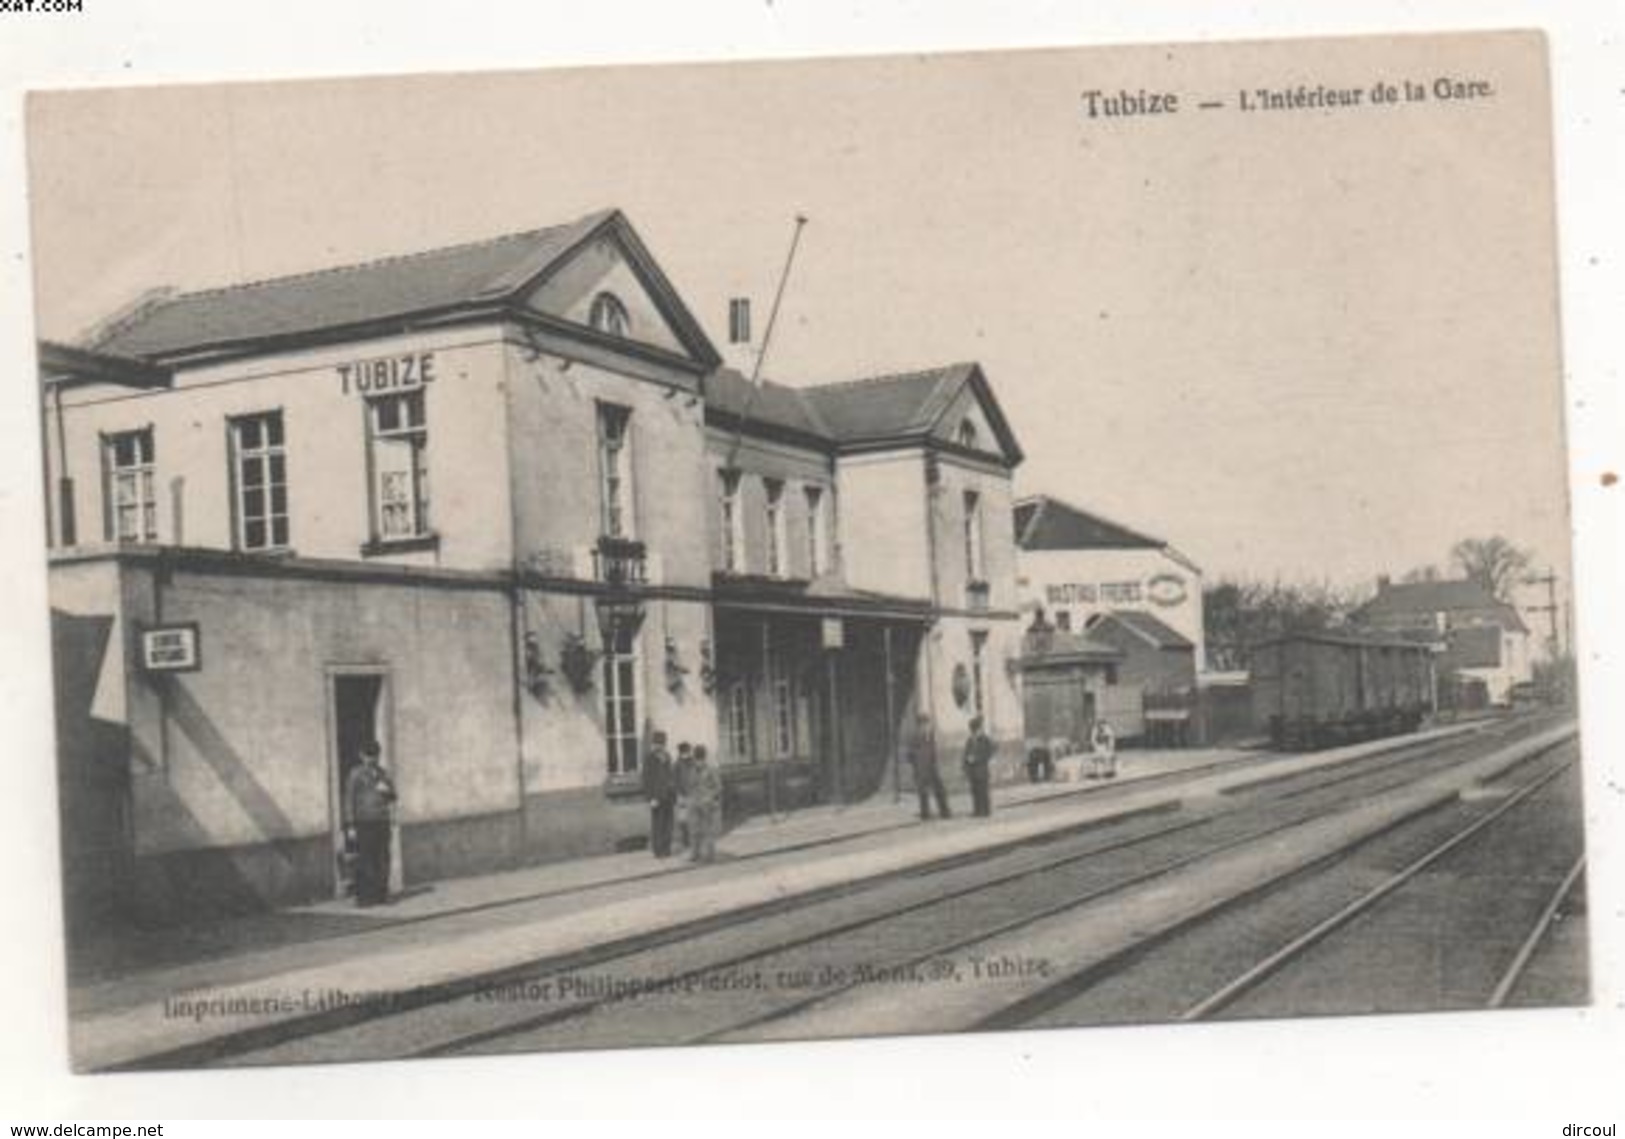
x,y
1070,593
1166,589
1120,592
171,648
834,630
386,374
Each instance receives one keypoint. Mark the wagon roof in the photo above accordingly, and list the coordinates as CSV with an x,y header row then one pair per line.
x,y
1348,637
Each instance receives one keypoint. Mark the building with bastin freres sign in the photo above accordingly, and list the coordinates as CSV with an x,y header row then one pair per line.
x,y
499,508
1115,629
1076,566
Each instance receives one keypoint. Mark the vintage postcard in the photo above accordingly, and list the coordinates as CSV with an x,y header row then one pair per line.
x,y
739,552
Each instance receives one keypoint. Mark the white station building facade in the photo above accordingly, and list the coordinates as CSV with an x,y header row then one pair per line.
x,y
500,508
1076,566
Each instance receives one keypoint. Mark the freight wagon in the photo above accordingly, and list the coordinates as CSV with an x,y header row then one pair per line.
x,y
1315,690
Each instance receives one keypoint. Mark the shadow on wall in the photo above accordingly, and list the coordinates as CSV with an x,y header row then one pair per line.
x,y
106,888
277,869
93,778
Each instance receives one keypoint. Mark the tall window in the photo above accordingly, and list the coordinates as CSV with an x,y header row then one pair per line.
x,y
132,514
816,557
260,466
608,314
967,433
621,697
615,470
775,526
739,720
973,536
784,709
733,524
400,466
739,320
978,679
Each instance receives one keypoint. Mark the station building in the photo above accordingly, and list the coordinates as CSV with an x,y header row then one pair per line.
x,y
500,508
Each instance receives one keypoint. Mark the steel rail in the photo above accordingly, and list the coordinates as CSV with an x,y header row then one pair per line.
x,y
1296,819
1526,951
1249,979
1445,749
1438,755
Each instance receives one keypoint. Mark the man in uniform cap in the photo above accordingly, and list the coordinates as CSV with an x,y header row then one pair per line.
x,y
369,798
978,758
922,757
660,787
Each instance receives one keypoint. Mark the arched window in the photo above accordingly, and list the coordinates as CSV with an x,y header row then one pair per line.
x,y
608,314
967,433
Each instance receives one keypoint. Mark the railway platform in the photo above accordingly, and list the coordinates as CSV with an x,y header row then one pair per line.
x,y
136,952
194,991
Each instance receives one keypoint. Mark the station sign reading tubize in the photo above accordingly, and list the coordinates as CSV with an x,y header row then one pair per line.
x,y
171,648
386,374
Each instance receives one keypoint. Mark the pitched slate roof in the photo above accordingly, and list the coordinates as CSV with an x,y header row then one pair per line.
x,y
1148,627
906,403
1424,598
67,364
857,412
727,393
1044,522
434,281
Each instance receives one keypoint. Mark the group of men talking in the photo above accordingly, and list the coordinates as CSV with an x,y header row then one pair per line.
x,y
685,799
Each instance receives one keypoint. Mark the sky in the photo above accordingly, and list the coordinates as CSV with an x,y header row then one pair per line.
x,y
1307,344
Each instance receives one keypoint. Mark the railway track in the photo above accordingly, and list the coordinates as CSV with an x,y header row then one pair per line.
x,y
1357,922
763,975
1446,911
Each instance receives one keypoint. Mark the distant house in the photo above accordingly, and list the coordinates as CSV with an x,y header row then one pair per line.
x,y
1075,566
1484,640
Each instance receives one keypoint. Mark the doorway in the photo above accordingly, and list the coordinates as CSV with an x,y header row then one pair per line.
x,y
358,711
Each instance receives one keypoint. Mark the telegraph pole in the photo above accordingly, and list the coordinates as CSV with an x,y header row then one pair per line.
x,y
1554,639
767,338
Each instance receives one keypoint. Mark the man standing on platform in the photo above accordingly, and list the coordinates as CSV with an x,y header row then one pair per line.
x,y
660,787
683,781
369,796
705,807
922,757
978,758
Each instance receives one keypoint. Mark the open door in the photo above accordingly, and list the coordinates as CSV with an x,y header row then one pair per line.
x,y
358,711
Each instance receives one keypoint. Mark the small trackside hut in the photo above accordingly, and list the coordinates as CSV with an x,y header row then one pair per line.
x,y
1313,690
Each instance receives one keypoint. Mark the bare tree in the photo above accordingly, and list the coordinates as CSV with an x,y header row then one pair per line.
x,y
1240,613
1494,563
